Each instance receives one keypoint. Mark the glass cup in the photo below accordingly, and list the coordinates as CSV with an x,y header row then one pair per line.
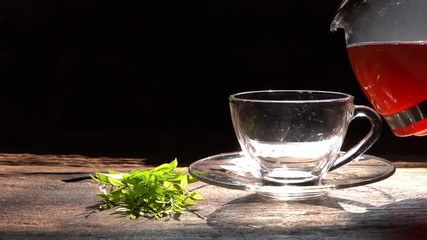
x,y
294,137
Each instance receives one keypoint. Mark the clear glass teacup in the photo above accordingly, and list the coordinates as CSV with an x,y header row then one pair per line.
x,y
295,136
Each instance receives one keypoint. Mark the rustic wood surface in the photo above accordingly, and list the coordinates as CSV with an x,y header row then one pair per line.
x,y
37,202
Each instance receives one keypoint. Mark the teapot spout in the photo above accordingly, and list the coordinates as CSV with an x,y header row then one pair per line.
x,y
337,22
342,15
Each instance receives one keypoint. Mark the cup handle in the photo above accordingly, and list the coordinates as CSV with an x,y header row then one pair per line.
x,y
367,141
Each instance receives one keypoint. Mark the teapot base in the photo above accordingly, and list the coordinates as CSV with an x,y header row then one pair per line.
x,y
418,129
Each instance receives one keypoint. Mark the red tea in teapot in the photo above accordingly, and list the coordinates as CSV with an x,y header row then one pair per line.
x,y
393,75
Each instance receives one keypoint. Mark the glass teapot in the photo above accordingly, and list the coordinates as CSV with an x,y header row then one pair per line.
x,y
387,47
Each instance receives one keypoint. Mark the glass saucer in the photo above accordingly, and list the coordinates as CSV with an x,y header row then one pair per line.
x,y
233,170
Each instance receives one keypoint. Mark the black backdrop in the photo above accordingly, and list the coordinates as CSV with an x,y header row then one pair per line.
x,y
151,78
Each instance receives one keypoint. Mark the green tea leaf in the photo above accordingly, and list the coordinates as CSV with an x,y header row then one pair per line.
x,y
152,193
195,196
184,182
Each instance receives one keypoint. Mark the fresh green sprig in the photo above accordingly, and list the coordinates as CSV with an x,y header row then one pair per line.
x,y
152,193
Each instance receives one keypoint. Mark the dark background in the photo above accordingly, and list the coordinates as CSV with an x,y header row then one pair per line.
x,y
151,78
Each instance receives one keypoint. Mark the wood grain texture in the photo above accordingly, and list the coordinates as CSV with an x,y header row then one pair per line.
x,y
36,203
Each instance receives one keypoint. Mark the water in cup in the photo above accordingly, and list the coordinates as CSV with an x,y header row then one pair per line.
x,y
297,163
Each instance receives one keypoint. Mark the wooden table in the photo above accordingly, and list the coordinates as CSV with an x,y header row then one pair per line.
x,y
36,203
